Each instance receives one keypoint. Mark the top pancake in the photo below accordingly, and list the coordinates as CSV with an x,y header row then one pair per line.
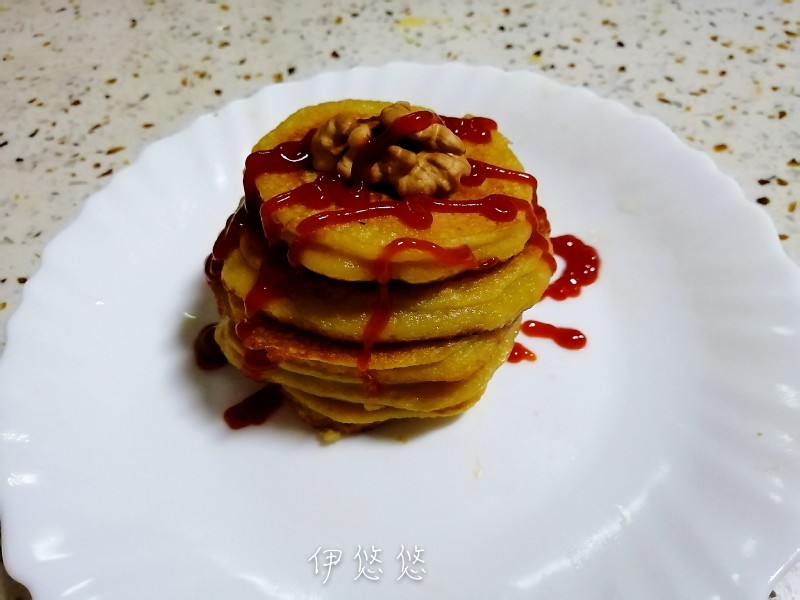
x,y
352,251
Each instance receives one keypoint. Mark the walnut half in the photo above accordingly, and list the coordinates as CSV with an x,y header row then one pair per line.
x,y
435,167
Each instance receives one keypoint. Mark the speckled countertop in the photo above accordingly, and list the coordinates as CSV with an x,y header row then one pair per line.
x,y
85,85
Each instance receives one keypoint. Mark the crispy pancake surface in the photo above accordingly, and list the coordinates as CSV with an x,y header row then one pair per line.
x,y
379,262
440,378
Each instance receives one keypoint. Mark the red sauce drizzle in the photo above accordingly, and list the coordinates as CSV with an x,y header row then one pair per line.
x,y
582,265
477,130
327,190
274,280
207,354
255,409
581,268
287,157
378,319
227,241
245,328
370,383
537,216
481,171
255,361
460,255
416,211
520,353
571,339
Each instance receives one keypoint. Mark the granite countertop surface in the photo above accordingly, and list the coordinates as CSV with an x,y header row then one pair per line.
x,y
85,85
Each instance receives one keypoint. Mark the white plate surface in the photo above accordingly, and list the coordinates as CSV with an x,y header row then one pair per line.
x,y
660,462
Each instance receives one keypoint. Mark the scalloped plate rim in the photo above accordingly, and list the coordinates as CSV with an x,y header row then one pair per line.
x,y
748,211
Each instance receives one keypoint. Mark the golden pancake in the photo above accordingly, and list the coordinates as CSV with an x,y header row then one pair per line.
x,y
339,413
351,413
475,301
298,352
349,250
387,390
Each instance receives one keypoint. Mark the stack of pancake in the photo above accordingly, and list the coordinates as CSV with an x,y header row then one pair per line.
x,y
379,263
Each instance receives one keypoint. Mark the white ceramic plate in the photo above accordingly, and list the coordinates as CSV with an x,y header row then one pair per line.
x,y
659,462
